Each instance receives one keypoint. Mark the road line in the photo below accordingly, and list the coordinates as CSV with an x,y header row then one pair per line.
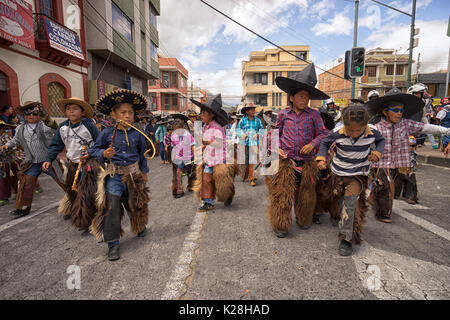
x,y
13,223
176,286
422,222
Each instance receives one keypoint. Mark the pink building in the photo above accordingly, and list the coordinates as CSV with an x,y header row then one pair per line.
x,y
169,93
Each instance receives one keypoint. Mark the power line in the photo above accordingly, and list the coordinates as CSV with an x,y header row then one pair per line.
x,y
265,39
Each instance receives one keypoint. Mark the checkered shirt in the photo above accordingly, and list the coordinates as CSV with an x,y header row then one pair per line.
x,y
396,152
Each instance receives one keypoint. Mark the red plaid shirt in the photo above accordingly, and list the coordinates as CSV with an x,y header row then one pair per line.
x,y
298,130
396,152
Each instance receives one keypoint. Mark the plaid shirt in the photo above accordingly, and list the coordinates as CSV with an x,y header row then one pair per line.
x,y
249,127
396,152
298,130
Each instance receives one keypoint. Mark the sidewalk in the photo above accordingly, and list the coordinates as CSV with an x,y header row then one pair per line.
x,y
426,154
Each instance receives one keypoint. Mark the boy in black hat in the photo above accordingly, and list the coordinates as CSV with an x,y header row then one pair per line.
x,y
124,181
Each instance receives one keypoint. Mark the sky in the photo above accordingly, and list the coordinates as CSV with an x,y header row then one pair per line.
x,y
213,47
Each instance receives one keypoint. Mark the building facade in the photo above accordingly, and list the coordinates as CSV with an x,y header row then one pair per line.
x,y
42,52
435,82
122,41
262,68
171,90
384,70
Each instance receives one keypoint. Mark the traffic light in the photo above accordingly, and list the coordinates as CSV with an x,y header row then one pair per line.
x,y
357,56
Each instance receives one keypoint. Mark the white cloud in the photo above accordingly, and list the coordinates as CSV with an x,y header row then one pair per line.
x,y
433,42
340,24
320,9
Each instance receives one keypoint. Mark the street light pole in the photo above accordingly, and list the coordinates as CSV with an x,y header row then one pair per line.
x,y
355,40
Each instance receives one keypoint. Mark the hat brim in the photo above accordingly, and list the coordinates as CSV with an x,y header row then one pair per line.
x,y
180,116
220,117
137,100
287,84
413,106
20,110
89,112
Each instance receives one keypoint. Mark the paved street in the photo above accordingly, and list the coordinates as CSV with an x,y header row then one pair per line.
x,y
230,253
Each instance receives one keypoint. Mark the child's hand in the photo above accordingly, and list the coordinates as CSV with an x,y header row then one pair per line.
x,y
282,154
109,153
45,166
321,165
373,158
447,150
5,147
307,149
84,156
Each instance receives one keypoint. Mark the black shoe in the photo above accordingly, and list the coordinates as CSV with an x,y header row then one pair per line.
x,y
177,196
228,202
280,234
345,248
206,207
113,253
143,233
66,217
384,219
316,219
302,227
19,213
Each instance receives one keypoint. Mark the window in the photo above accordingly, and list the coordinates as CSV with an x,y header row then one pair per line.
x,y
398,70
166,80
276,99
55,92
261,99
275,75
46,7
121,23
371,71
300,55
153,51
174,80
143,51
165,101
261,78
153,16
175,100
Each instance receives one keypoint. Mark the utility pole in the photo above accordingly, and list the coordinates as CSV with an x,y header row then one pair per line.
x,y
411,43
355,40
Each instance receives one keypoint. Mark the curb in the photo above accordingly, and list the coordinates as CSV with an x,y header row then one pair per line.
x,y
437,161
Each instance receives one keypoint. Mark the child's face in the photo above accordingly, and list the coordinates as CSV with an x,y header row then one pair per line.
x,y
74,113
300,100
125,113
354,129
206,116
393,114
32,116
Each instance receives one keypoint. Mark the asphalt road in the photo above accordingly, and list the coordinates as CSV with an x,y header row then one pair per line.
x,y
229,253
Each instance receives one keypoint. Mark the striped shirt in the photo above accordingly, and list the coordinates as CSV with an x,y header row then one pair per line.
x,y
34,140
298,130
351,155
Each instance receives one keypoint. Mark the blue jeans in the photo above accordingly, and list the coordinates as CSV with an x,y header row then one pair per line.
x,y
207,169
115,186
162,152
36,170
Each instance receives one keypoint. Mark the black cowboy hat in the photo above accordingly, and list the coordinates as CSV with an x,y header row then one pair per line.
x,y
180,116
413,106
306,80
358,100
214,104
29,105
137,100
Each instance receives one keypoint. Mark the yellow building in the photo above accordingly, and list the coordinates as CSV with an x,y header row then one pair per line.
x,y
259,73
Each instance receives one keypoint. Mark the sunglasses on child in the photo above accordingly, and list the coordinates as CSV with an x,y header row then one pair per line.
x,y
396,110
29,113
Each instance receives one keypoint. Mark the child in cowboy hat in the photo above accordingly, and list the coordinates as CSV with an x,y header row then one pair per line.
x,y
398,110
301,130
34,137
123,184
76,134
214,178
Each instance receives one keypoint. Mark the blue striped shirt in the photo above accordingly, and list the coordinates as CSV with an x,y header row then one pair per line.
x,y
351,155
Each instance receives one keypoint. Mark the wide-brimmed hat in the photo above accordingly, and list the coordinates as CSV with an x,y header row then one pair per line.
x,y
79,102
29,105
192,113
137,100
181,117
4,124
413,106
305,80
328,120
358,100
214,104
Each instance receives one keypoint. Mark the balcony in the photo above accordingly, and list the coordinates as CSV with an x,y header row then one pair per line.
x,y
46,51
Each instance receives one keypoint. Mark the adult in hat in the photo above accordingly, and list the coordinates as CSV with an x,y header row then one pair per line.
x,y
214,178
180,116
123,183
331,109
301,131
398,111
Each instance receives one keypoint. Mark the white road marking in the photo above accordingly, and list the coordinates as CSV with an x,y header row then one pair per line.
x,y
13,223
176,285
398,209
